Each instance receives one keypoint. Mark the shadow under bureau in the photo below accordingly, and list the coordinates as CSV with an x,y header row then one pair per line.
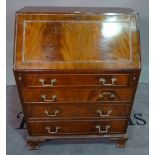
x,y
77,71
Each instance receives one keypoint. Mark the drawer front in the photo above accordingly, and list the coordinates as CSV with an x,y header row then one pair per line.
x,y
58,80
62,111
76,95
53,128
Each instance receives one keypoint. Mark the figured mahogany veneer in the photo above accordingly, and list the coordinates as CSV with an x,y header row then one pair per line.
x,y
76,95
77,40
77,71
52,128
62,80
76,110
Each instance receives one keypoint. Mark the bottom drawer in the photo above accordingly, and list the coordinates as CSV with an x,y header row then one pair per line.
x,y
70,127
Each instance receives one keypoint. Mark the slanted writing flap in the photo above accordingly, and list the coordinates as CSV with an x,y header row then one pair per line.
x,y
80,41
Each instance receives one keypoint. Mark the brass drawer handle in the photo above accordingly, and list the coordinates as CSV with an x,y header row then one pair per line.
x,y
103,81
111,95
52,115
42,81
52,132
104,115
107,127
43,97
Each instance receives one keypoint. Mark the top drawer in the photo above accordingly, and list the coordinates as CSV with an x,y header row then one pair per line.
x,y
61,80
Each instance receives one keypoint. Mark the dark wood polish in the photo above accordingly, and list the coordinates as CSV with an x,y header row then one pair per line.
x,y
76,95
76,70
77,127
33,80
76,110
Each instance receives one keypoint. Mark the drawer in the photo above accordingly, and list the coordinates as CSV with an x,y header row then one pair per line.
x,y
73,127
68,111
76,95
58,80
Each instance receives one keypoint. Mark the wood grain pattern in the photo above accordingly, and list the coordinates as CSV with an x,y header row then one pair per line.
x,y
61,41
75,69
74,111
77,95
33,80
76,127
90,42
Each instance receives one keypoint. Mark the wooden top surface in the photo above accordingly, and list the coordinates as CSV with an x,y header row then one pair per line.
x,y
46,9
76,41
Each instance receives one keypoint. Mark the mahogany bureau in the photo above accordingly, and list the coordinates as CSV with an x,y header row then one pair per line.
x,y
77,71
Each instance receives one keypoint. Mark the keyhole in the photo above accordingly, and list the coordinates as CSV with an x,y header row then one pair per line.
x,y
77,17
